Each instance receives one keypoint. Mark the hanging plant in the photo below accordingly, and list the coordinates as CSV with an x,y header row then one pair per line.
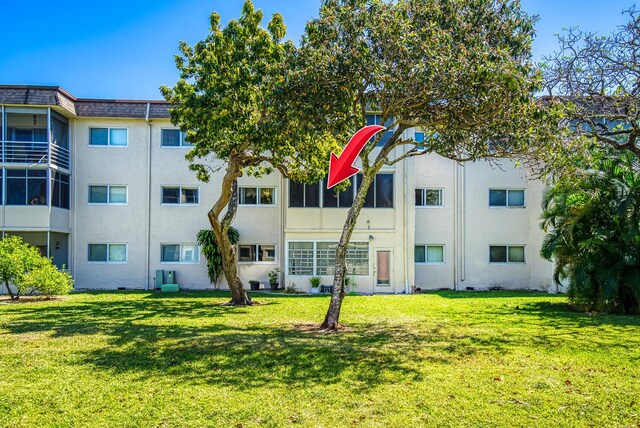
x,y
207,241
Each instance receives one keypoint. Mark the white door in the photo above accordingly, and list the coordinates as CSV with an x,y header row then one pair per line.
x,y
383,271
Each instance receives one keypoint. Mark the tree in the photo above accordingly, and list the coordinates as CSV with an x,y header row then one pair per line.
x,y
229,99
211,250
22,266
592,220
596,79
460,70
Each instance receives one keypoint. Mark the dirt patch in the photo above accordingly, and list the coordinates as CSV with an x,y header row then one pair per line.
x,y
315,328
29,299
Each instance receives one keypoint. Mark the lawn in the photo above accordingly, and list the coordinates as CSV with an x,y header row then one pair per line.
x,y
439,359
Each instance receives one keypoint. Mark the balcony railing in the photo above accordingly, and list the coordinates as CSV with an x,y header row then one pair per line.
x,y
32,152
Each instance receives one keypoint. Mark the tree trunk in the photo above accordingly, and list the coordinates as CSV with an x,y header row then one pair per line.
x,y
220,227
6,284
333,313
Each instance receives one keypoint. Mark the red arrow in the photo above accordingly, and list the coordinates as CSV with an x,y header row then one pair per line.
x,y
341,168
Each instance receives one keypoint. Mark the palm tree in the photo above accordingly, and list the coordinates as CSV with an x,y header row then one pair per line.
x,y
592,221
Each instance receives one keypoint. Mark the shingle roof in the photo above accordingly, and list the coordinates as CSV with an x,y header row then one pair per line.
x,y
82,107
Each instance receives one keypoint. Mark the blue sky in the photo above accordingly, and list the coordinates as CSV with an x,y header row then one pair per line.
x,y
125,48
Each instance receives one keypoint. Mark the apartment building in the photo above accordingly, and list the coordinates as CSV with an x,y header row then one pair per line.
x,y
103,188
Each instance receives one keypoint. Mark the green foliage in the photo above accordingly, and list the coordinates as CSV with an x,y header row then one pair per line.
x,y
274,276
22,266
46,280
592,222
209,246
315,281
231,101
459,69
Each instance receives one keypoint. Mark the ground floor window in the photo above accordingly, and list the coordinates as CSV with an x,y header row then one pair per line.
x,y
108,253
249,253
318,258
429,254
179,253
506,254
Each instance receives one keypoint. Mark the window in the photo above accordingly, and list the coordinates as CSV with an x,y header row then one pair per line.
x,y
108,137
108,253
26,187
429,198
318,258
506,254
300,258
304,195
257,196
180,195
173,138
256,253
429,254
376,119
179,253
343,199
506,198
379,194
108,194
1,179
60,190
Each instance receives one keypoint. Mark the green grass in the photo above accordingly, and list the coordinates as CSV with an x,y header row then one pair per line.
x,y
442,359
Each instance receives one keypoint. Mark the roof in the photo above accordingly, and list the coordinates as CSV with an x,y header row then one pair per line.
x,y
82,107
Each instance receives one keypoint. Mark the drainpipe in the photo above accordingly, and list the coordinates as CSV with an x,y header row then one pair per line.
x,y
283,212
148,237
73,204
405,212
462,248
455,225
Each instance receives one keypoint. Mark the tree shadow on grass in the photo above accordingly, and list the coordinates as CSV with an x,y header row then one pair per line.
x,y
198,342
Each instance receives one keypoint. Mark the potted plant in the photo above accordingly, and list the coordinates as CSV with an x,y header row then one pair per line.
x,y
274,277
315,284
255,285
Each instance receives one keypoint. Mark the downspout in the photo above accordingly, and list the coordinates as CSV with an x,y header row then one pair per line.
x,y
148,237
405,212
73,204
462,247
455,226
283,213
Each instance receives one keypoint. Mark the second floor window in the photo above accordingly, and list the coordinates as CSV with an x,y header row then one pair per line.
x,y
180,195
26,187
109,137
108,194
429,198
173,138
257,196
60,193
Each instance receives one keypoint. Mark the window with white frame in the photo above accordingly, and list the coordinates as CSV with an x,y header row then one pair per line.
x,y
257,196
178,195
506,198
252,253
107,253
429,254
107,194
173,138
318,258
179,253
506,254
108,137
429,198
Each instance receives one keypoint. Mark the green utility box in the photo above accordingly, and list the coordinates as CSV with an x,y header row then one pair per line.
x,y
170,288
159,279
